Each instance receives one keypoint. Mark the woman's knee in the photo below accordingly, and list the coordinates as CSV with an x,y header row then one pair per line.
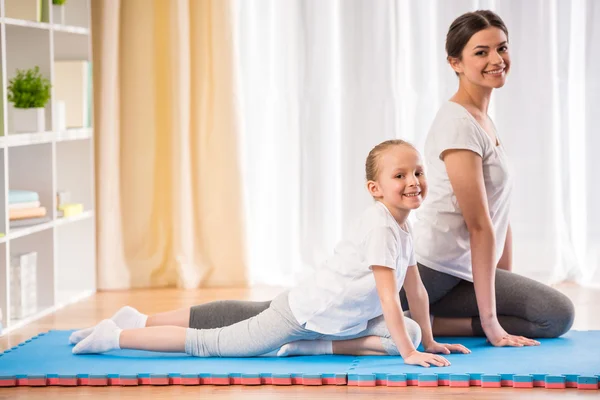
x,y
548,312
561,314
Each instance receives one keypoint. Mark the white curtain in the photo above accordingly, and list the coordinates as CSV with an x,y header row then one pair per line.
x,y
324,81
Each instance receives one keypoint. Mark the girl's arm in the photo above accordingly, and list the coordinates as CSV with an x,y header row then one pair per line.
x,y
394,319
465,171
418,300
505,262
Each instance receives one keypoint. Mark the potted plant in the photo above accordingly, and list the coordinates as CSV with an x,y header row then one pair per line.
x,y
29,92
58,11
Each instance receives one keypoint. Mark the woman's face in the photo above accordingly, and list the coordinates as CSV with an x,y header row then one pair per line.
x,y
485,59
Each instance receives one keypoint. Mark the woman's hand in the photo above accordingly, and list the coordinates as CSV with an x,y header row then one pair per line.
x,y
426,359
445,348
498,337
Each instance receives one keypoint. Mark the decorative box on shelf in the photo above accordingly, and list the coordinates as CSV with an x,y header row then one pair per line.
x,y
23,285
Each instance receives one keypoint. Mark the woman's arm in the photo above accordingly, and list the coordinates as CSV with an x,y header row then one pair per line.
x,y
465,170
505,262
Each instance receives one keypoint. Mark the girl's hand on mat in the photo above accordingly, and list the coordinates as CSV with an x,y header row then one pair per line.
x,y
426,359
445,348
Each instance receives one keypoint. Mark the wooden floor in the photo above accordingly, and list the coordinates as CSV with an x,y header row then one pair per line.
x,y
104,304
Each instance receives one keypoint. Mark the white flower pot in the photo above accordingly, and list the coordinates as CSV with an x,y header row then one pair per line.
x,y
58,14
29,120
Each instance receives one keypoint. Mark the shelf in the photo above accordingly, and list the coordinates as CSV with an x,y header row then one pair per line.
x,y
20,232
45,25
16,323
26,23
74,134
50,162
71,29
27,139
19,323
67,220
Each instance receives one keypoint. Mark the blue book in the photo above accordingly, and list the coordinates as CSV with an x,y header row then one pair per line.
x,y
22,196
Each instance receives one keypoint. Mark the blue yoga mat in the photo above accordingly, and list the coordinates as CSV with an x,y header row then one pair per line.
x,y
570,361
557,362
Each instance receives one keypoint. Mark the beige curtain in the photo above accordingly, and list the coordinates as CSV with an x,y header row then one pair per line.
x,y
168,187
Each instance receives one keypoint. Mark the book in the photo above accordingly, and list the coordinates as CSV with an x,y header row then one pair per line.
x,y
27,204
72,86
30,10
22,196
27,213
24,223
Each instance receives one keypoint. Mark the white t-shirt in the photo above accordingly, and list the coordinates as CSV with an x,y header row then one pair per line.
x,y
440,232
341,296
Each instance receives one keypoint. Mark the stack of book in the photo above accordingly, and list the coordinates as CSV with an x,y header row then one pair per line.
x,y
24,209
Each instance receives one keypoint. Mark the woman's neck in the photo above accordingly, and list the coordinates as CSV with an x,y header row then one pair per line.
x,y
473,95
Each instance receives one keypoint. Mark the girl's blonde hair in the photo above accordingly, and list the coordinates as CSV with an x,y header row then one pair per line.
x,y
371,165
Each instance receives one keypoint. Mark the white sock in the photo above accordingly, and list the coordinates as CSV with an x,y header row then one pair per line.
x,y
306,348
104,337
126,318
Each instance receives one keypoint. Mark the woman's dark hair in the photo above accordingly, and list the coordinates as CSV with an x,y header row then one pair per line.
x,y
466,26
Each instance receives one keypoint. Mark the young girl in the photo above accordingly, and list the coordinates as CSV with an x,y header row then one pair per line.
x,y
353,296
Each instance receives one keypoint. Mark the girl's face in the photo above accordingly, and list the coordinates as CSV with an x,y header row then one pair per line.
x,y
400,183
485,59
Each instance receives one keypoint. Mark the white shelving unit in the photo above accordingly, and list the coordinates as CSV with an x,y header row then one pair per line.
x,y
47,162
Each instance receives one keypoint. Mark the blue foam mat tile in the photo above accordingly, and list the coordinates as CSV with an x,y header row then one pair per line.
x,y
555,361
567,362
50,355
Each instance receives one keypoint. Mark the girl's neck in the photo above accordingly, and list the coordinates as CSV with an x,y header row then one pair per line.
x,y
475,96
400,215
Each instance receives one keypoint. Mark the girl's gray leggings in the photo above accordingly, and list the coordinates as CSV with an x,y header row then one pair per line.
x,y
274,327
524,306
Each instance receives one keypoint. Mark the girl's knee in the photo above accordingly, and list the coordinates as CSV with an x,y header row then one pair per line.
x,y
414,333
193,345
196,344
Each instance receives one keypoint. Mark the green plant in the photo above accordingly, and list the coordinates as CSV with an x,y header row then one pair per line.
x,y
59,2
29,89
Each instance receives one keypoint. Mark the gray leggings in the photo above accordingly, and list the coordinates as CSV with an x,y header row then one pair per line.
x,y
274,327
524,306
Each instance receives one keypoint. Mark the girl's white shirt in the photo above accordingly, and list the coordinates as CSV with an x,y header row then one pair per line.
x,y
341,296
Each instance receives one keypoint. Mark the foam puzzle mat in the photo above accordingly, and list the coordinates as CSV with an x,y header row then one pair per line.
x,y
572,361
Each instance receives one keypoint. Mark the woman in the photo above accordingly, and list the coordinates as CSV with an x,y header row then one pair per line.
x,y
462,234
